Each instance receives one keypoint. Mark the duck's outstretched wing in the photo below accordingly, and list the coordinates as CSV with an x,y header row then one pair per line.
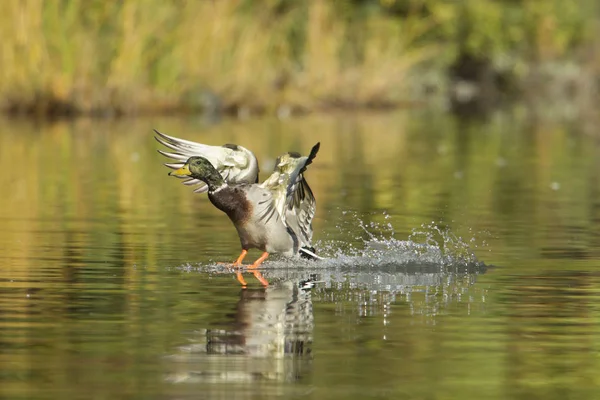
x,y
300,204
235,163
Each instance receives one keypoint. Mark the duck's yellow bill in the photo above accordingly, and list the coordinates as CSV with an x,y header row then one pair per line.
x,y
183,171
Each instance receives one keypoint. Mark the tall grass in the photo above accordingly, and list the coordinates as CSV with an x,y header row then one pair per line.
x,y
131,56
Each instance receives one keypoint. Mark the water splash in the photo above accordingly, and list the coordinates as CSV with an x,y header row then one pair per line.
x,y
430,269
374,248
375,244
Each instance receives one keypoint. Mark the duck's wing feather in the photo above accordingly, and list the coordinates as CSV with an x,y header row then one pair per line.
x,y
235,163
300,203
264,204
301,211
264,215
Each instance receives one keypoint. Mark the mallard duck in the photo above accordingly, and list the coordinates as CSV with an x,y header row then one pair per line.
x,y
275,216
237,164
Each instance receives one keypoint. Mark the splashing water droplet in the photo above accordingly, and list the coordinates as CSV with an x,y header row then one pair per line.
x,y
431,243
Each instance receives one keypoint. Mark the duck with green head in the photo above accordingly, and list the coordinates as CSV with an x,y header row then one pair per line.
x,y
237,164
266,216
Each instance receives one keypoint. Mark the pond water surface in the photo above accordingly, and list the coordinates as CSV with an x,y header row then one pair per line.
x,y
462,262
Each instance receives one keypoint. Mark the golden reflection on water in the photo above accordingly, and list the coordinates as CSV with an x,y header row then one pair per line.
x,y
74,174
96,239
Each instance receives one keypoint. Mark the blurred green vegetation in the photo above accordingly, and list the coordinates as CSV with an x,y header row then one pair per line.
x,y
92,56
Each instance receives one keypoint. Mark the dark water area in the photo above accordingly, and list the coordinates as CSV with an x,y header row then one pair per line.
x,y
461,262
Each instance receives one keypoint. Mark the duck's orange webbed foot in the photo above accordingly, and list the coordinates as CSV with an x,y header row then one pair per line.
x,y
238,262
256,274
259,261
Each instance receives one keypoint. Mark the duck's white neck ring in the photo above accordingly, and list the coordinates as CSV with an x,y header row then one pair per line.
x,y
218,189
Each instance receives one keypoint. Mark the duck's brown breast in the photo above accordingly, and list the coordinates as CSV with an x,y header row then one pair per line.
x,y
233,202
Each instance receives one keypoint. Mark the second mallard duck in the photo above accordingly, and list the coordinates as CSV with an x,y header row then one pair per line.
x,y
268,216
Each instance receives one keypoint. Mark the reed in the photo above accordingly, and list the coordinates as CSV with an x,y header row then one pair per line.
x,y
128,57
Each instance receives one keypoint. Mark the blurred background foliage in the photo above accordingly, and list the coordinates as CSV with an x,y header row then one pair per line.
x,y
93,56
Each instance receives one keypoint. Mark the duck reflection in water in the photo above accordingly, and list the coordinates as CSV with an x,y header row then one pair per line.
x,y
270,339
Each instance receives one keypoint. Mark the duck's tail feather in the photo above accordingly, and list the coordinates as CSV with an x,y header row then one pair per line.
x,y
309,253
